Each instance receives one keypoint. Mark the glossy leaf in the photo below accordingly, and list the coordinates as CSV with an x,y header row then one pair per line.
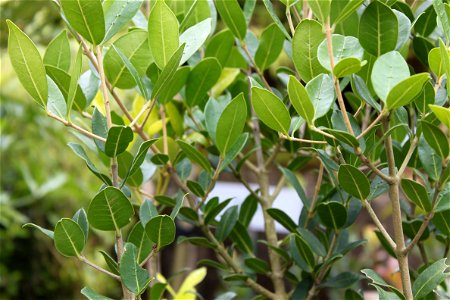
x,y
47,232
194,37
133,276
442,113
406,91
69,238
332,214
416,193
443,17
235,149
354,182
110,210
430,278
270,9
436,139
118,139
270,46
75,73
57,53
378,281
343,47
350,7
147,211
436,62
219,46
27,63
378,29
307,38
110,262
270,110
312,241
300,100
258,265
344,137
86,17
347,66
196,156
201,79
282,218
163,36
167,76
161,230
138,160
118,14
92,295
231,123
227,223
232,16
81,218
143,244
56,104
320,8
321,93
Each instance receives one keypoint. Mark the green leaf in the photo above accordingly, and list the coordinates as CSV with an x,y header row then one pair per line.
x,y
342,280
378,29
352,295
271,110
378,281
118,14
445,56
312,241
172,85
167,77
219,46
81,218
147,211
118,139
227,222
201,79
430,278
248,210
234,150
270,46
430,161
86,17
143,244
436,62
232,16
27,63
47,232
274,16
350,7
425,98
443,17
436,139
384,295
332,214
404,26
75,73
79,151
360,88
416,193
320,8
231,123
92,295
139,158
110,210
307,38
110,262
161,230
302,253
134,45
343,47
258,265
56,103
442,222
406,91
163,36
344,137
442,113
300,100
195,188
240,236
282,218
57,53
411,228
347,66
194,37
133,276
194,155
321,93
388,70
69,238
293,180
353,181
99,127
426,22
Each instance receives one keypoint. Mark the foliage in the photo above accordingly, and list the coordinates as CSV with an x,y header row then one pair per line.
x,y
201,99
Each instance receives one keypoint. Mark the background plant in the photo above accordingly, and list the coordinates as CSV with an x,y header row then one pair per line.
x,y
384,134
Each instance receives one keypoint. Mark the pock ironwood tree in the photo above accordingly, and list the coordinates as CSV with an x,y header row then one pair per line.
x,y
346,96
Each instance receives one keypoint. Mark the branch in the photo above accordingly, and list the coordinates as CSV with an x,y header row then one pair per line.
x,y
380,226
76,127
414,143
291,138
98,268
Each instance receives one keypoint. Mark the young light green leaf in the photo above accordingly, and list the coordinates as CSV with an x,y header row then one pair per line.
x,y
57,53
321,93
232,16
27,63
194,37
74,76
135,278
167,76
134,45
388,70
47,232
194,155
300,100
69,238
445,57
442,113
170,88
270,46
136,77
274,16
436,139
110,210
343,47
231,123
347,66
119,137
349,9
139,238
92,295
282,218
163,36
81,218
227,223
332,214
430,278
307,38
378,29
201,79
436,62
416,193
406,91
271,110
161,230
118,14
86,17
353,181
320,8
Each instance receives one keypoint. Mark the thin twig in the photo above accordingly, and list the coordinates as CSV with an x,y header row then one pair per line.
x,y
76,127
291,138
316,193
252,60
98,268
377,222
375,122
408,155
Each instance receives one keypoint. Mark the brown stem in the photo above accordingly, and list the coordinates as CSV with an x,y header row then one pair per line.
x,y
380,226
76,127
